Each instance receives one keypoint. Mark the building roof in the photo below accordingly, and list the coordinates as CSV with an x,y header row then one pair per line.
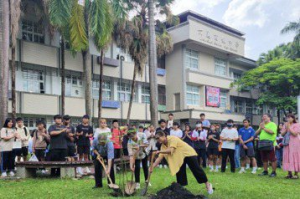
x,y
184,17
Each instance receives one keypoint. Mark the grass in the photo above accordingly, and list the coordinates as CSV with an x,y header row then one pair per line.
x,y
228,185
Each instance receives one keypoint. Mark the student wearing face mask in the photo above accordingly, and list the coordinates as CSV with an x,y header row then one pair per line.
x,y
199,136
229,136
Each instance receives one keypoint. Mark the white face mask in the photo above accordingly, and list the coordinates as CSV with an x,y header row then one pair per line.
x,y
198,125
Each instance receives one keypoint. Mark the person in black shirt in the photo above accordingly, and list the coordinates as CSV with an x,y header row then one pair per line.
x,y
213,138
58,142
162,127
70,138
84,132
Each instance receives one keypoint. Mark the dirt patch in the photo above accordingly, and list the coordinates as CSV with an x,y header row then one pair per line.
x,y
175,191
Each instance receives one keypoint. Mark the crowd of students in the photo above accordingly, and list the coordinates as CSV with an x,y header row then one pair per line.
x,y
213,146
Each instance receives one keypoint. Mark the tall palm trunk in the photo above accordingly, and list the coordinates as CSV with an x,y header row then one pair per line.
x,y
152,65
100,85
13,82
63,76
4,66
131,94
87,76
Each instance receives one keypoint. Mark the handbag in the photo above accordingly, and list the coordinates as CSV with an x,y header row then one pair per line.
x,y
265,145
286,139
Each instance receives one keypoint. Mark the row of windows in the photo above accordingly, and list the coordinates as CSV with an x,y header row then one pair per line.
x,y
192,62
241,105
33,81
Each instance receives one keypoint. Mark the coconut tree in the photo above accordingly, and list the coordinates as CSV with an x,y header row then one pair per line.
x,y
15,13
59,12
4,66
293,27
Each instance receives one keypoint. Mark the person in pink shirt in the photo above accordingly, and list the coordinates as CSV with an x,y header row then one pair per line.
x,y
291,149
116,138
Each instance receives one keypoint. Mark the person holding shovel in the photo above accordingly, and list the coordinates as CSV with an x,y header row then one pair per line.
x,y
103,149
178,154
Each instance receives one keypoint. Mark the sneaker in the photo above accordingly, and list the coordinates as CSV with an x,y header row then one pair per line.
x,y
160,166
210,190
166,166
273,174
12,174
242,171
43,171
264,173
149,184
253,172
79,171
3,175
137,186
87,170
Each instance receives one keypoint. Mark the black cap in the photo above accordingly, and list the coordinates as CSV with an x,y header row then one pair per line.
x,y
86,117
57,117
161,121
115,121
66,117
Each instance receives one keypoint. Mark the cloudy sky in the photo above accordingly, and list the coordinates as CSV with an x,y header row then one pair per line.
x,y
260,20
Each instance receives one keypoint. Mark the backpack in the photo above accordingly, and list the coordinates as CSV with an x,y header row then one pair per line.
x,y
25,129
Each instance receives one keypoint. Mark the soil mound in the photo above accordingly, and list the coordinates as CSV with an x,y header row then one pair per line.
x,y
175,191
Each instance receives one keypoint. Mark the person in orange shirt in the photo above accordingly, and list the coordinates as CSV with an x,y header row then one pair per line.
x,y
116,138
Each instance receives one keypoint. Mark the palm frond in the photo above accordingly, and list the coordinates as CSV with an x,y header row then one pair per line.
x,y
78,36
291,27
60,12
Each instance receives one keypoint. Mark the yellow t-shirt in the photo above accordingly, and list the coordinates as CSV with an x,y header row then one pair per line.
x,y
181,151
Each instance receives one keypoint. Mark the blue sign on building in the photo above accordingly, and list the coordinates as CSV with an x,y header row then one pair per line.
x,y
110,104
161,71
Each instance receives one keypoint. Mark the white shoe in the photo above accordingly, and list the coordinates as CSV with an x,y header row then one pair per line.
x,y
12,174
43,171
166,166
137,186
88,171
79,171
149,184
217,170
210,190
4,175
242,171
160,166
253,172
211,170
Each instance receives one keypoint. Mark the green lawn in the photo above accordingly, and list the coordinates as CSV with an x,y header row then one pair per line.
x,y
228,185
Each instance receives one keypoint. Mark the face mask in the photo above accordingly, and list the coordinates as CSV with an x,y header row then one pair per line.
x,y
198,125
229,125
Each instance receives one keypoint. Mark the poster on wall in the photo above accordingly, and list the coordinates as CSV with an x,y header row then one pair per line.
x,y
212,96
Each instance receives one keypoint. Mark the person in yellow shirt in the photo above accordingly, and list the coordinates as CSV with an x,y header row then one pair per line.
x,y
178,154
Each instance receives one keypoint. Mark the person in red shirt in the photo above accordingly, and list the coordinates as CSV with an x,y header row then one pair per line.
x,y
116,138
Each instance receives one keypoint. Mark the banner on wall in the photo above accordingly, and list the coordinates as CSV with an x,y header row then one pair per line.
x,y
212,96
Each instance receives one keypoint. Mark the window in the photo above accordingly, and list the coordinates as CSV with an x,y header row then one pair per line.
x,y
249,106
191,59
32,31
106,90
33,81
223,100
145,94
124,92
192,95
237,76
220,67
76,81
162,95
238,106
161,62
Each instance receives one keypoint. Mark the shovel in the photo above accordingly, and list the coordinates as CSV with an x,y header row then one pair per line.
x,y
144,191
110,185
130,186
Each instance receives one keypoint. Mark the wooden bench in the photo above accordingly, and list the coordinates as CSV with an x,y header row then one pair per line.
x,y
67,169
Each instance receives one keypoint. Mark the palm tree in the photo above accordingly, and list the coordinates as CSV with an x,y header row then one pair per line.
x,y
59,16
15,13
4,64
293,27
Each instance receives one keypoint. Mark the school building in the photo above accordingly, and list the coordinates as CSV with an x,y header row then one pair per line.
x,y
196,77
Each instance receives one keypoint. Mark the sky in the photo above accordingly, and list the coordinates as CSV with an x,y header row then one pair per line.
x,y
260,20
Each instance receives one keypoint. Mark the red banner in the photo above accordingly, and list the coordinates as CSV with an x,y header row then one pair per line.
x,y
212,96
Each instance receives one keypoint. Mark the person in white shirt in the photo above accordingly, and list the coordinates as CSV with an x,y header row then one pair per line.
x,y
21,145
103,129
150,134
170,121
199,136
176,131
229,136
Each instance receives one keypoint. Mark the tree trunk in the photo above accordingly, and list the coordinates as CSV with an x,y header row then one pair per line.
x,y
152,66
100,86
278,116
13,82
131,94
63,76
4,64
87,76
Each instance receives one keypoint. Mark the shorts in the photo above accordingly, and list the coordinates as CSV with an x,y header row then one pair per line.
x,y
40,153
71,151
212,151
268,156
247,152
21,152
83,150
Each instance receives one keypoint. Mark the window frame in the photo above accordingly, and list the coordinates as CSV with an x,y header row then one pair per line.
x,y
218,65
106,90
31,31
194,92
145,96
189,58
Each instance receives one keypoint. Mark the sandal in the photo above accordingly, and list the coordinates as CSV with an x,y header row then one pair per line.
x,y
288,177
295,177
